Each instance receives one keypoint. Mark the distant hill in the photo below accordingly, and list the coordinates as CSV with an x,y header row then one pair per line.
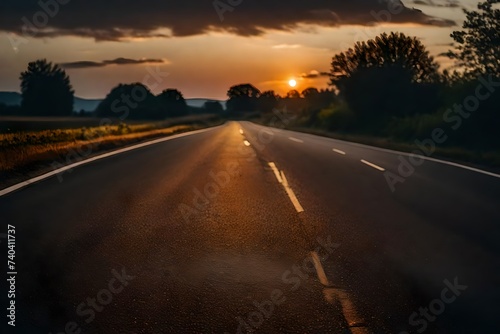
x,y
198,103
10,98
85,104
14,99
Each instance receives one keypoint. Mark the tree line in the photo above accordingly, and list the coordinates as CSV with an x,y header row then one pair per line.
x,y
390,86
387,86
136,101
46,91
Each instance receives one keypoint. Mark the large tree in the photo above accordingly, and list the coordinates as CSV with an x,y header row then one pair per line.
x,y
242,98
268,101
316,100
477,53
46,90
310,93
391,75
173,103
293,94
477,47
394,50
129,101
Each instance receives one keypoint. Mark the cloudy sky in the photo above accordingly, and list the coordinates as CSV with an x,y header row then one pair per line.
x,y
202,47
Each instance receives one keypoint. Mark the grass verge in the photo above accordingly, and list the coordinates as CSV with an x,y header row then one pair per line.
x,y
28,154
487,160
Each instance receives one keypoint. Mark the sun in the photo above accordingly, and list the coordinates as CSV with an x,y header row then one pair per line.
x,y
292,83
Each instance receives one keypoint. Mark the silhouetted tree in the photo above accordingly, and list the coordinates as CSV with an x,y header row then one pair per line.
x,y
310,92
391,75
268,101
294,102
312,103
477,53
477,48
395,50
129,101
316,100
46,90
242,98
173,103
213,107
293,94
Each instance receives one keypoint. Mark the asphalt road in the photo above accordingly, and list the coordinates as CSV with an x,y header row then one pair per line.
x,y
244,228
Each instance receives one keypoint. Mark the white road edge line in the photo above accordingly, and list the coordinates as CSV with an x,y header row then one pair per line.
x,y
241,131
295,140
26,183
291,194
339,151
424,157
373,165
246,142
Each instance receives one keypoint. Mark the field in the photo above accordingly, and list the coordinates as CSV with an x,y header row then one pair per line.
x,y
38,144
13,124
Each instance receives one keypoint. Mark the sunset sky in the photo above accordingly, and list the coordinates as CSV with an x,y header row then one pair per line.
x,y
266,43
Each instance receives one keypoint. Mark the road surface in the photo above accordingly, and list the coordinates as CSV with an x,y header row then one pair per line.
x,y
244,228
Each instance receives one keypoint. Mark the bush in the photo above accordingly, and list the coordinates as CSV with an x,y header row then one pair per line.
x,y
412,127
337,117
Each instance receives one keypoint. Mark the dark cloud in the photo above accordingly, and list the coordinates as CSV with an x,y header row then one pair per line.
x,y
315,74
433,3
444,44
126,61
82,64
117,61
120,19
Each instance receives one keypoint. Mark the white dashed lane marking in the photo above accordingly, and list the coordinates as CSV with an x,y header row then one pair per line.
x,y
373,165
295,140
280,176
332,295
276,171
291,194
